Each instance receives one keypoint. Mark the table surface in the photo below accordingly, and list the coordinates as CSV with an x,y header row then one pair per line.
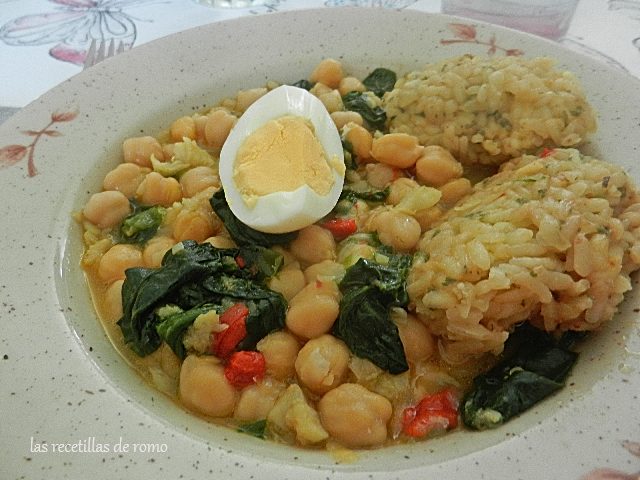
x,y
43,42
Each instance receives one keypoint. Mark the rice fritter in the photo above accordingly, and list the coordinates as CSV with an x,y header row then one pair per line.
x,y
552,239
489,110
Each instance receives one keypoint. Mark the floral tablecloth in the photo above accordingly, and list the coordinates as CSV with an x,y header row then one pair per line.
x,y
44,42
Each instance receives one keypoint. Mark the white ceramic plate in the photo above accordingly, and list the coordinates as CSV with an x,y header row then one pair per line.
x,y
62,384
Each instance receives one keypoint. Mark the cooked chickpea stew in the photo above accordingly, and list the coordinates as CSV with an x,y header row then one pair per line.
x,y
308,338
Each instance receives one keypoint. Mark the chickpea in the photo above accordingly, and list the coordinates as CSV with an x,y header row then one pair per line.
x,y
219,124
380,175
256,401
125,178
229,103
398,230
340,119
322,363
360,139
280,350
158,190
332,101
195,225
399,150
204,388
399,188
245,98
437,166
428,217
219,241
355,416
139,150
113,301
289,281
313,245
418,343
329,72
320,89
107,209
155,250
325,270
116,260
197,179
350,84
200,122
454,190
314,310
183,127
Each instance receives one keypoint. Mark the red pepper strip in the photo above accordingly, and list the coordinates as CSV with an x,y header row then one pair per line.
x,y
341,227
546,152
226,341
437,411
240,261
244,368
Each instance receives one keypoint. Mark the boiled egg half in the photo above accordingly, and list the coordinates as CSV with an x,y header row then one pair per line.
x,y
282,165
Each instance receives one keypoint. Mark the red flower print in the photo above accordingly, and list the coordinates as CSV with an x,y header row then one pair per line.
x,y
465,33
610,474
632,447
12,154
63,116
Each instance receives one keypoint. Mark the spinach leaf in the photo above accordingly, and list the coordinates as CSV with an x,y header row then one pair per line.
x,y
172,327
505,398
533,367
264,262
144,290
267,308
349,159
350,198
381,80
306,84
369,290
375,117
243,234
367,195
138,330
256,429
193,275
141,225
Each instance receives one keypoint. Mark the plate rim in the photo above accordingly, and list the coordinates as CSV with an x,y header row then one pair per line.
x,y
15,123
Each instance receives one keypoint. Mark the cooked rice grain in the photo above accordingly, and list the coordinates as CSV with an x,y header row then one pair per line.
x,y
552,240
489,110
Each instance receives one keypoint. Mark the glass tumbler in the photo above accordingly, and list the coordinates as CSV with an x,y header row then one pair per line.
x,y
547,18
231,3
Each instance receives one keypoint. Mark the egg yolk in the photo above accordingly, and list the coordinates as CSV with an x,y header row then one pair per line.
x,y
281,156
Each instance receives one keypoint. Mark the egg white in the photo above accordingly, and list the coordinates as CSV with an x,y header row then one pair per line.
x,y
282,212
